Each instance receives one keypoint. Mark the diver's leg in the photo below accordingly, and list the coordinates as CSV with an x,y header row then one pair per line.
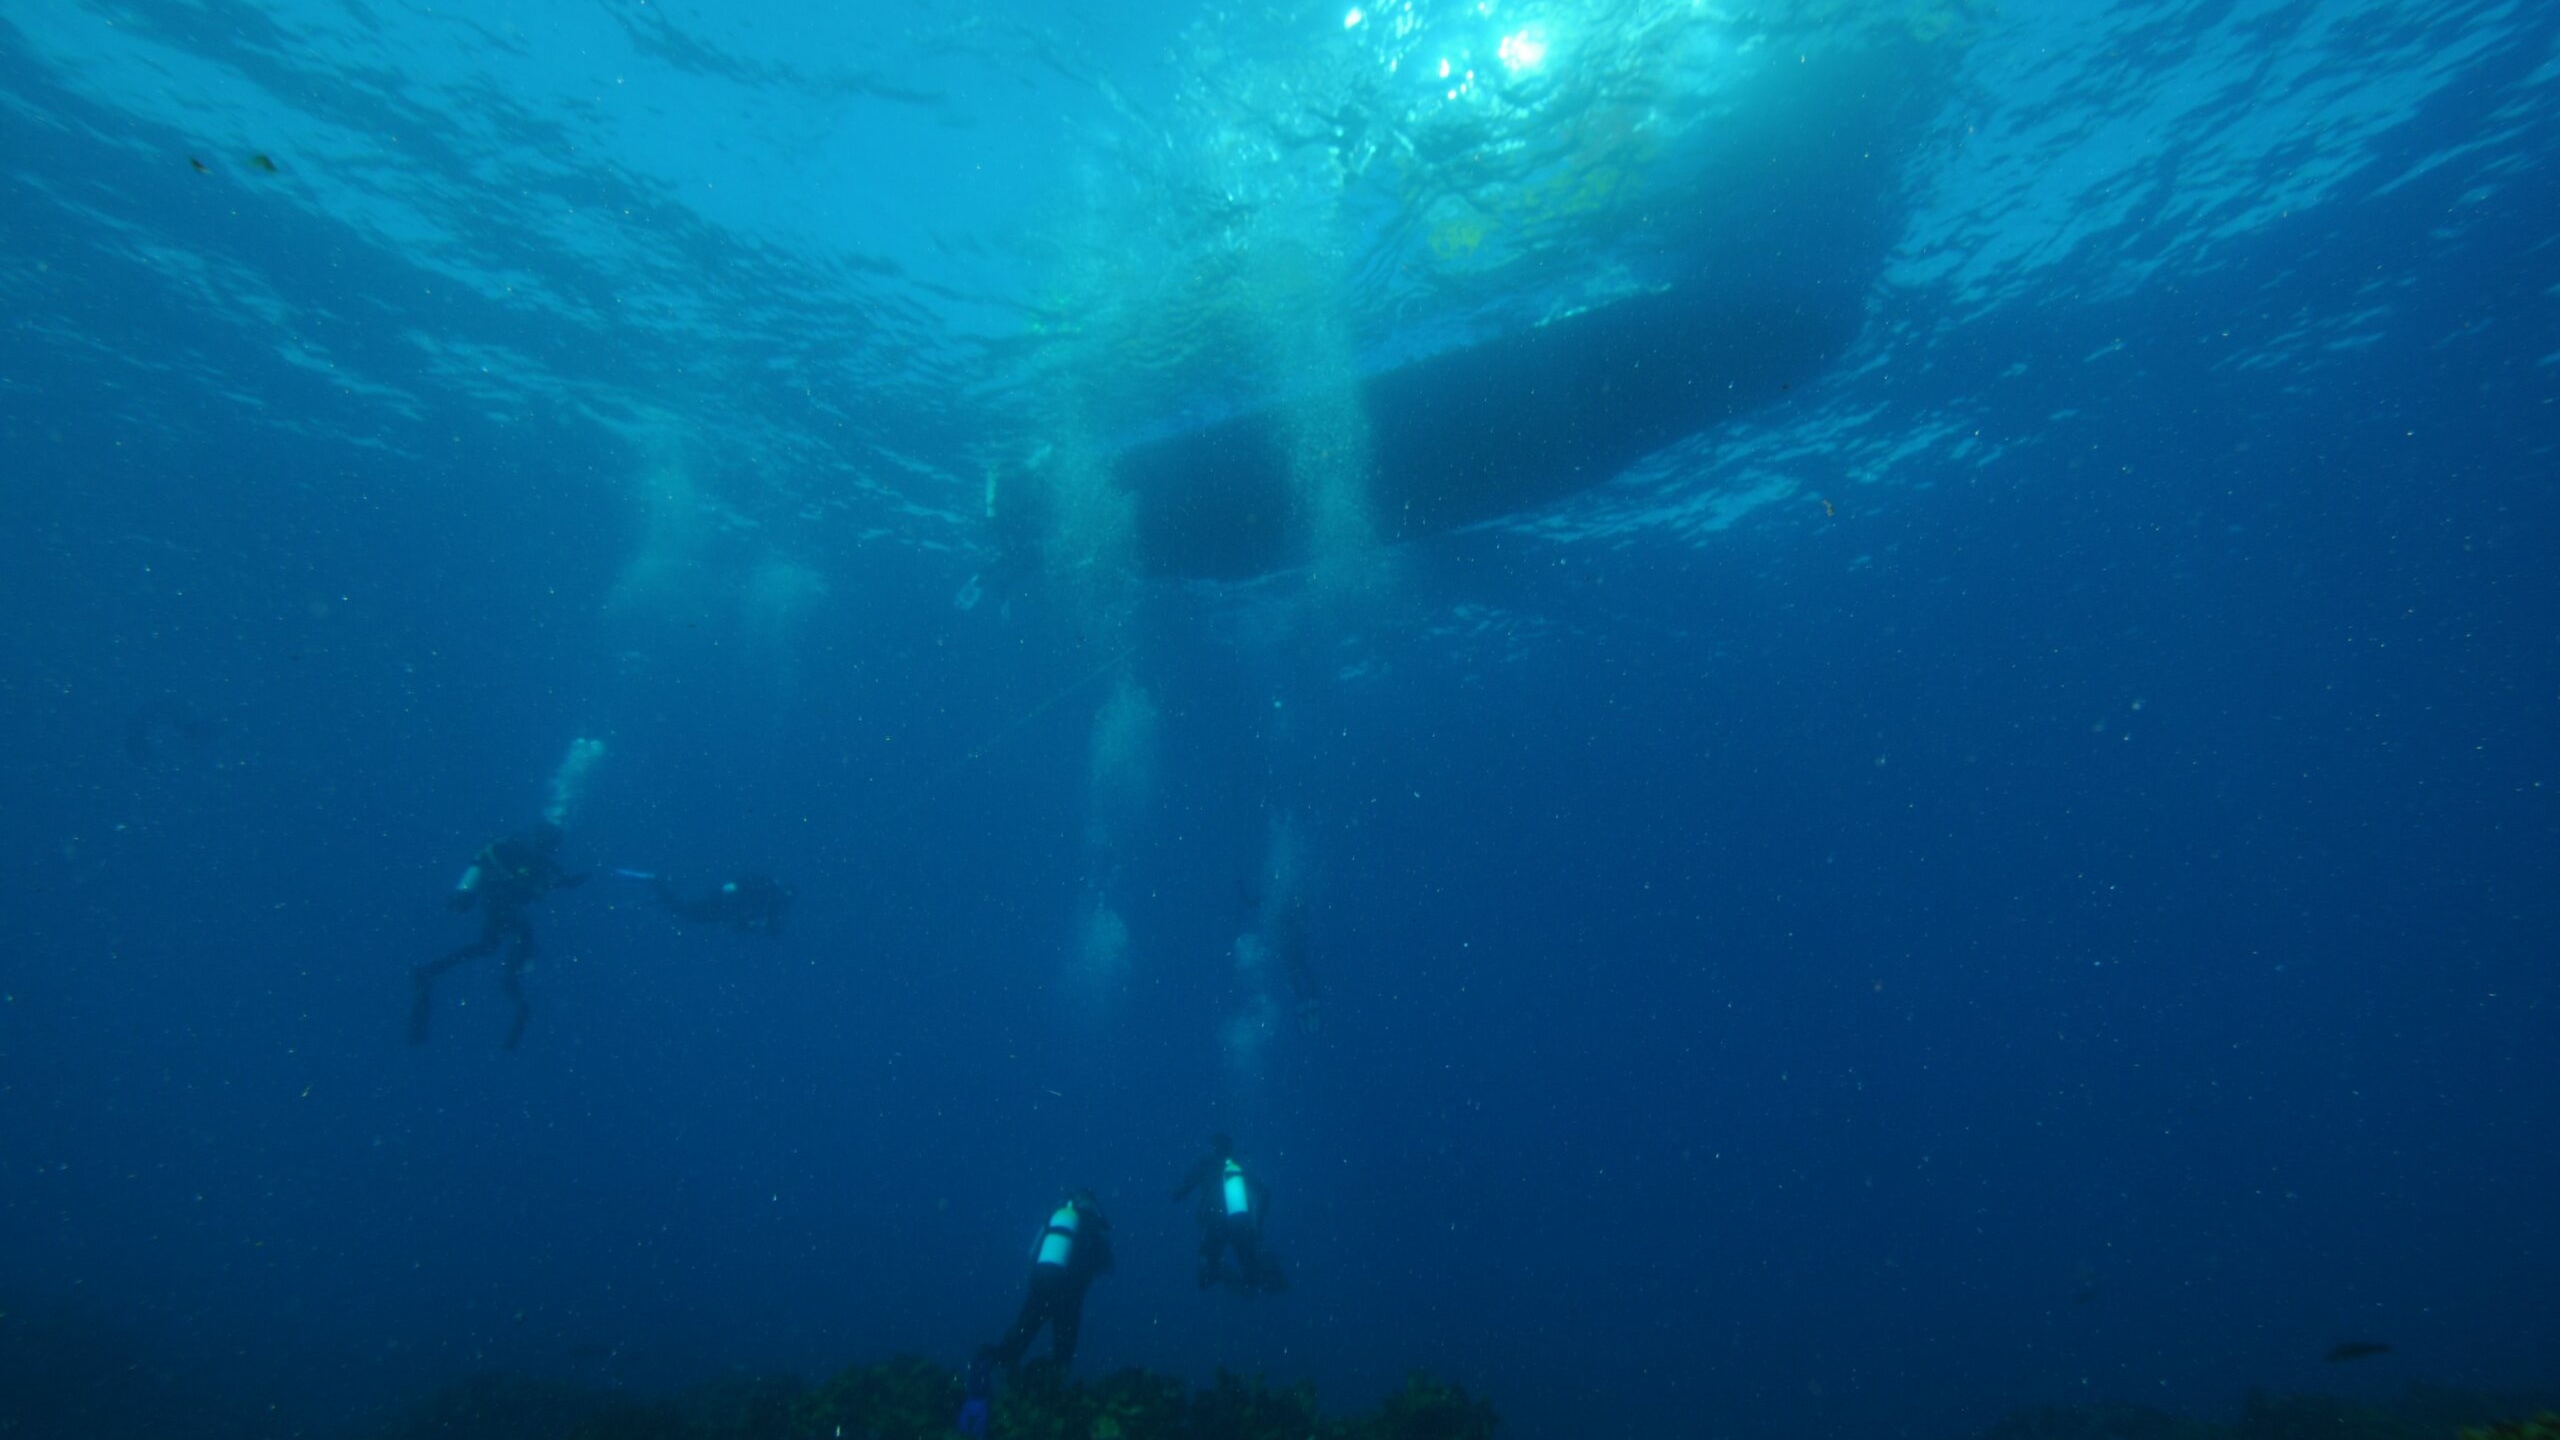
x,y
1261,1268
1035,1308
511,980
1248,1254
1065,1318
1213,1245
422,979
422,1004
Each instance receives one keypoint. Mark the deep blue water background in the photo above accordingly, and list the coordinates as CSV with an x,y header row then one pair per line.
x,y
2074,926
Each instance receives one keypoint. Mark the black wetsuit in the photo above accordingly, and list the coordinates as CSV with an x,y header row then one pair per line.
x,y
504,882
1056,1294
1289,937
1222,1229
752,903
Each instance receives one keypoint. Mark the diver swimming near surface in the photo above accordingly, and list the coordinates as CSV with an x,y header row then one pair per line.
x,y
505,880
1289,939
1279,923
165,732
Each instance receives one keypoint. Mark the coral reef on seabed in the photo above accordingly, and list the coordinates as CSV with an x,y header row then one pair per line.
x,y
2423,1412
908,1398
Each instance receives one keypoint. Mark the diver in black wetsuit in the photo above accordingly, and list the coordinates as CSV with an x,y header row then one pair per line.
x,y
504,880
165,733
1289,938
752,903
1230,1207
1073,1249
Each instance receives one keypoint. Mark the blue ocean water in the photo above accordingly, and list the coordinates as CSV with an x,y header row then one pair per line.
x,y
2013,862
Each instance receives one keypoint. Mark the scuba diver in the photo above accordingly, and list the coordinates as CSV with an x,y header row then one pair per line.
x,y
752,903
1019,522
1230,1208
1073,1248
504,880
1280,924
165,734
1289,938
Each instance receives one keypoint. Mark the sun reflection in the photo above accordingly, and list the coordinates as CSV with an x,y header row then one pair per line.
x,y
1524,49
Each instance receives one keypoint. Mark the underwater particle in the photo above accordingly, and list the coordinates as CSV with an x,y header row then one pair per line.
x,y
1829,510
2356,1350
263,163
